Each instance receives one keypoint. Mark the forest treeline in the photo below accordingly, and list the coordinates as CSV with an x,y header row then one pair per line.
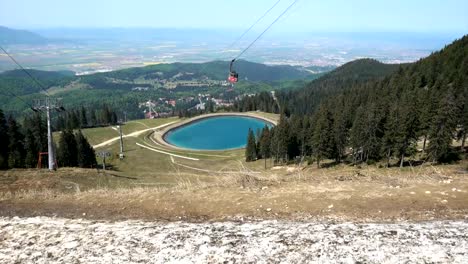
x,y
375,118
86,118
20,144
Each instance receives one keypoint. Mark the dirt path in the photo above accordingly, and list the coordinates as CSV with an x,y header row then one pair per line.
x,y
133,134
167,153
57,240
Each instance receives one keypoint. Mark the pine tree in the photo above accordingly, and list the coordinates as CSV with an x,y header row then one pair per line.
x,y
358,135
258,143
251,148
391,133
273,143
463,120
83,118
60,124
73,120
294,136
265,143
340,132
427,106
114,119
4,142
322,139
106,116
39,128
407,128
281,139
16,145
94,121
442,129
31,149
67,150
305,136
86,156
365,139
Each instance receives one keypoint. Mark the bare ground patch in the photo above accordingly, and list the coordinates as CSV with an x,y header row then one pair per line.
x,y
341,193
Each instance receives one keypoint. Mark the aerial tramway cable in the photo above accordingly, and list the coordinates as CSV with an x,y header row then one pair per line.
x,y
233,75
248,30
261,34
27,73
255,23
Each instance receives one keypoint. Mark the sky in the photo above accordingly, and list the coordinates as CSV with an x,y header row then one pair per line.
x,y
436,16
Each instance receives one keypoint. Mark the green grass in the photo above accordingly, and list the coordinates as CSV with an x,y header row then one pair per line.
x,y
137,125
100,134
143,167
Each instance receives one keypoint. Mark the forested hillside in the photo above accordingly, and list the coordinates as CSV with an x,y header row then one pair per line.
x,y
306,98
128,88
216,70
352,74
382,118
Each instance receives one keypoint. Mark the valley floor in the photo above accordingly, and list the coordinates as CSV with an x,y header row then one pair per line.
x,y
58,240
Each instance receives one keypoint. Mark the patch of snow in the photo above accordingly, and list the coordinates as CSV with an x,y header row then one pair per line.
x,y
57,240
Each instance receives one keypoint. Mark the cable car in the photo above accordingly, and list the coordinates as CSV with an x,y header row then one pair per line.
x,y
233,75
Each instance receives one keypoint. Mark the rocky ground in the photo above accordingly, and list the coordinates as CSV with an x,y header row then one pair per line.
x,y
59,240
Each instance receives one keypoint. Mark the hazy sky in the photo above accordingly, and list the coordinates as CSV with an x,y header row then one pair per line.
x,y
449,16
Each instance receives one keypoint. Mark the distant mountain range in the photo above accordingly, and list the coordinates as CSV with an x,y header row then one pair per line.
x,y
10,36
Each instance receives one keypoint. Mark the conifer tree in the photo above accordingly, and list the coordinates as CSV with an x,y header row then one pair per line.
x,y
281,139
114,119
305,135
258,143
16,145
407,128
463,120
94,121
31,149
322,139
61,124
391,133
251,148
358,135
340,132
83,118
4,142
39,128
427,107
86,156
442,129
265,143
106,116
273,144
67,150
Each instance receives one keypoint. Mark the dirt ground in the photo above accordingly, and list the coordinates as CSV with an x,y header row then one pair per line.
x,y
341,193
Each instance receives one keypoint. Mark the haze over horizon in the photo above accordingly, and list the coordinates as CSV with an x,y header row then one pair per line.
x,y
100,36
431,16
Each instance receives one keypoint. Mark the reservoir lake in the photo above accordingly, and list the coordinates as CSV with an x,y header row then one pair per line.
x,y
215,133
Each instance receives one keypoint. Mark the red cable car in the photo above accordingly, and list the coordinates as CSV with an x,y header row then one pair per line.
x,y
233,76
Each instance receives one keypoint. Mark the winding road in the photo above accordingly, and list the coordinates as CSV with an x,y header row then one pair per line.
x,y
133,134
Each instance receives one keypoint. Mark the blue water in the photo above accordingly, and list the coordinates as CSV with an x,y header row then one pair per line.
x,y
215,133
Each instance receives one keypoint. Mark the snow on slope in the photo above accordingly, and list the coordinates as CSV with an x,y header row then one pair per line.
x,y
55,240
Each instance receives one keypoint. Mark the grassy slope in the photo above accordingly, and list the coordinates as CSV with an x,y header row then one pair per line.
x,y
149,185
152,168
